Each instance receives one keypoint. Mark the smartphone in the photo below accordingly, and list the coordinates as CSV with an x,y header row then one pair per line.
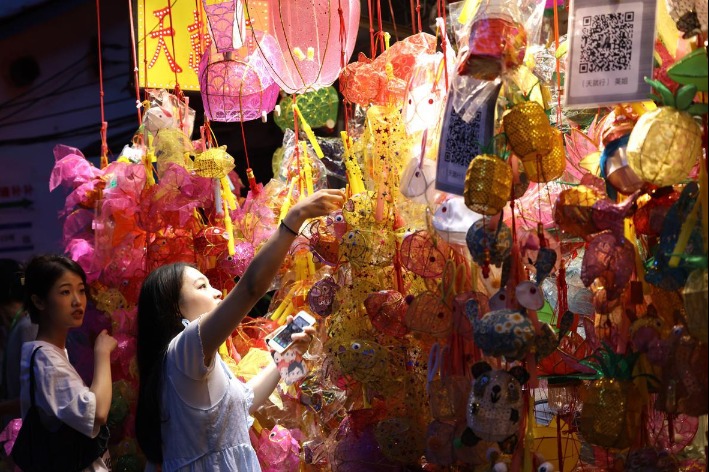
x,y
281,339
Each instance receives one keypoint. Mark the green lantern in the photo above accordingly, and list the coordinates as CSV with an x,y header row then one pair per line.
x,y
319,108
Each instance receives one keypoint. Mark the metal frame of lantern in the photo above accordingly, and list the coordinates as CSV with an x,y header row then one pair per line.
x,y
303,47
236,89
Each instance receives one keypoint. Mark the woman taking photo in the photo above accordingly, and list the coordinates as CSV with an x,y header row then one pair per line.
x,y
193,414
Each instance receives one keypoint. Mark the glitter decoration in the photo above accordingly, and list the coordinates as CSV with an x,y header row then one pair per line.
x,y
528,130
550,166
488,184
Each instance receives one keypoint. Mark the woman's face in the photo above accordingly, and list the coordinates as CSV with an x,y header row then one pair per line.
x,y
65,304
197,296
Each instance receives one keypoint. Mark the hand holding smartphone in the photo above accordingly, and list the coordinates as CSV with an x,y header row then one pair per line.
x,y
282,338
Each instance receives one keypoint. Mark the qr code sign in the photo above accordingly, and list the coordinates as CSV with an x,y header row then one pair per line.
x,y
606,42
463,139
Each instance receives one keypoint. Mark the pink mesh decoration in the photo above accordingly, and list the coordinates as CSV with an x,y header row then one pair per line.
x,y
236,85
221,15
308,52
422,255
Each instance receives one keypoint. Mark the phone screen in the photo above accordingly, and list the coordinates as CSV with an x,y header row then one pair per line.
x,y
284,338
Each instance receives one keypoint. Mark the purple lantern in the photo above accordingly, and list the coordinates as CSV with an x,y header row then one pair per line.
x,y
221,15
236,85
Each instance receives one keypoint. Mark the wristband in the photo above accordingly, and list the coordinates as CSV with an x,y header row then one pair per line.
x,y
288,228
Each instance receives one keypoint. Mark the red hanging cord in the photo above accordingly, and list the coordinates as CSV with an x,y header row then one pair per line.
x,y
418,15
444,38
104,125
134,60
371,28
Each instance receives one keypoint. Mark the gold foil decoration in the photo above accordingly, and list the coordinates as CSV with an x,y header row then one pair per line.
x,y
528,131
611,412
488,184
664,146
549,166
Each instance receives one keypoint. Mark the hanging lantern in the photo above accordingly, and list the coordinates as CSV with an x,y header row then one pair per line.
x,y
528,130
549,166
318,108
488,184
665,143
497,41
614,158
236,86
310,43
221,15
610,416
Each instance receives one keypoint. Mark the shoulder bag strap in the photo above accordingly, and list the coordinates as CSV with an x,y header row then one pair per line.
x,y
34,353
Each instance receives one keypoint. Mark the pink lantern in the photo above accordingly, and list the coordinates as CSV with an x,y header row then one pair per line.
x,y
309,49
221,15
236,85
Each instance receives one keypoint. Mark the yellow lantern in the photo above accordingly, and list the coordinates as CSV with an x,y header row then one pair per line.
x,y
488,184
665,143
528,131
549,166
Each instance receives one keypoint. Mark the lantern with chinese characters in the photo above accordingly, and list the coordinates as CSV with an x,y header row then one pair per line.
x,y
665,143
488,184
313,41
236,86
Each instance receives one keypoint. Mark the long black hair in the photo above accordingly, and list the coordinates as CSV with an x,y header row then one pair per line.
x,y
159,320
41,274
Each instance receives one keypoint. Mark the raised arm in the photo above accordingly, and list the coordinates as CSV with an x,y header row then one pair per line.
x,y
217,325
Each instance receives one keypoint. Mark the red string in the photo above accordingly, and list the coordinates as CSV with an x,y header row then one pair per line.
x,y
343,35
418,15
371,28
104,125
444,38
135,63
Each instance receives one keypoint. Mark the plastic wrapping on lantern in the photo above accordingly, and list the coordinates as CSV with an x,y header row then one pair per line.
x,y
236,85
304,42
452,219
172,146
610,259
167,111
71,168
400,439
354,446
367,82
278,449
292,163
363,248
496,43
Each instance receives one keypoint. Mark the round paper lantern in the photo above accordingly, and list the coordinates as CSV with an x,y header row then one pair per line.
x,y
308,52
236,85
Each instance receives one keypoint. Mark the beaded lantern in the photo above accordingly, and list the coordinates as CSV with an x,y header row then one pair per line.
x,y
528,130
236,85
665,143
488,184
549,166
312,41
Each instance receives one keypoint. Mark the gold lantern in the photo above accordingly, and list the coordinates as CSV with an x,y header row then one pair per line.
x,y
528,131
549,166
610,416
665,143
488,184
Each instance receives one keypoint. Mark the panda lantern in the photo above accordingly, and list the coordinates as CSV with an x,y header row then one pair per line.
x,y
495,406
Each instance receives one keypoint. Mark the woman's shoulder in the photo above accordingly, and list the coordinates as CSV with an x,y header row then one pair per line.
x,y
47,352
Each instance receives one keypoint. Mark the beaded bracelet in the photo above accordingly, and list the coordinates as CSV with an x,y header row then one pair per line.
x,y
288,228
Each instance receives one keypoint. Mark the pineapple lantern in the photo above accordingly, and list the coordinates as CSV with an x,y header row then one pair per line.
x,y
531,137
665,143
